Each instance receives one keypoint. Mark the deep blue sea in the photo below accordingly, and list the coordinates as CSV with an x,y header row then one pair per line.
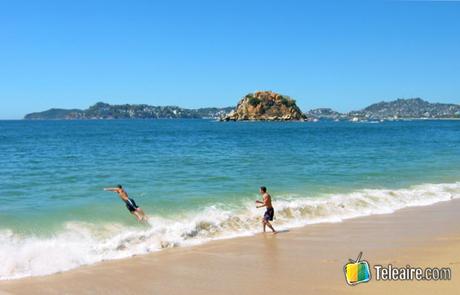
x,y
197,180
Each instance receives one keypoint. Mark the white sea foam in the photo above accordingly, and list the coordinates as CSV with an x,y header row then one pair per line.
x,y
83,243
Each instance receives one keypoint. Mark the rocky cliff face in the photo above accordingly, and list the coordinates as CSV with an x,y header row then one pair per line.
x,y
265,106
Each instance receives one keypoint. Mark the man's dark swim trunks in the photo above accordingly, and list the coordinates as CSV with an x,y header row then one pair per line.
x,y
268,215
131,205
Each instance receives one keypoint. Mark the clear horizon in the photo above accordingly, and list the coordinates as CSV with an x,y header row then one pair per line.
x,y
343,56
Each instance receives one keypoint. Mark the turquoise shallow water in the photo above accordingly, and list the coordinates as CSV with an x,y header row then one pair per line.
x,y
187,173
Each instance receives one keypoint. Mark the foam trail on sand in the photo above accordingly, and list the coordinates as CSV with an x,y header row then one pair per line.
x,y
85,243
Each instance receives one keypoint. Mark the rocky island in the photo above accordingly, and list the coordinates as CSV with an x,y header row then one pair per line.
x,y
265,106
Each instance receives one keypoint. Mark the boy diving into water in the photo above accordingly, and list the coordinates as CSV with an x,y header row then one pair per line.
x,y
270,212
130,204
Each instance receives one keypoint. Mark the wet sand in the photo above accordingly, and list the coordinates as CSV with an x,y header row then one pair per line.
x,y
306,260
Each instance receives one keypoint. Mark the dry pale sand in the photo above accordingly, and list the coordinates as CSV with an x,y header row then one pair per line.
x,y
307,260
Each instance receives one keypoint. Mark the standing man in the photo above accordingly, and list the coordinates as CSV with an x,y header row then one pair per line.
x,y
130,204
270,212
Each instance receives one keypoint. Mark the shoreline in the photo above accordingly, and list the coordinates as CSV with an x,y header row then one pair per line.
x,y
299,260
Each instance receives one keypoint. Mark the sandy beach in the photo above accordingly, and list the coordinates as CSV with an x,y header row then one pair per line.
x,y
305,260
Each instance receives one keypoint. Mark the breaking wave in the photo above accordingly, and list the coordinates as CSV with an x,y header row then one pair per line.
x,y
82,243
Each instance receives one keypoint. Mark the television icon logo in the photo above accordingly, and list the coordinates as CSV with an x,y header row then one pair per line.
x,y
357,271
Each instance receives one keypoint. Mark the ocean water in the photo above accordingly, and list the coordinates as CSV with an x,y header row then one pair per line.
x,y
198,180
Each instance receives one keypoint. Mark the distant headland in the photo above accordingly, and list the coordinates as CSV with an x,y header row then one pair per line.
x,y
105,111
259,106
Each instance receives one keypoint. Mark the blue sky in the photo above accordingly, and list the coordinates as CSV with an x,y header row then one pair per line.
x,y
339,54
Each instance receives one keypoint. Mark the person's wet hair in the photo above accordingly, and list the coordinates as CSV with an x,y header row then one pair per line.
x,y
119,186
263,189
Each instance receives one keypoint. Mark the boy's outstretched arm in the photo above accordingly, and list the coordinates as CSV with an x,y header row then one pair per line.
x,y
111,189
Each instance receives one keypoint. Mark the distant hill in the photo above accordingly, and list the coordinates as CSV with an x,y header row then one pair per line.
x,y
103,110
412,108
55,114
325,114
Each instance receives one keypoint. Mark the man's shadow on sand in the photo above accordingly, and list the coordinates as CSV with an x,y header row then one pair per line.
x,y
283,231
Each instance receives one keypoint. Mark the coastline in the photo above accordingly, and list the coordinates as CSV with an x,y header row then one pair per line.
x,y
219,120
301,260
